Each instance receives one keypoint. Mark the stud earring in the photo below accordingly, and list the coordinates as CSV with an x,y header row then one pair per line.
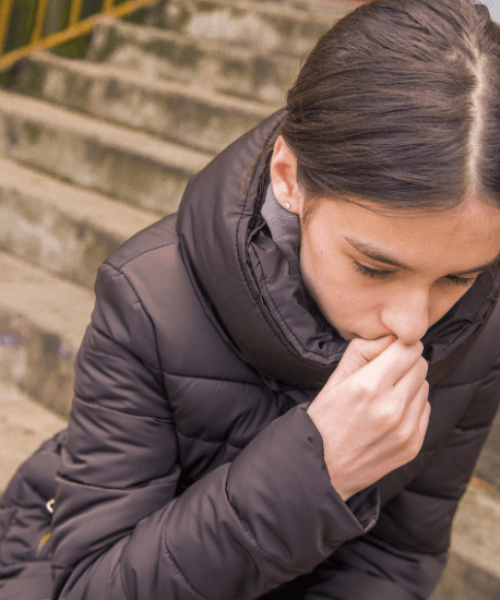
x,y
287,205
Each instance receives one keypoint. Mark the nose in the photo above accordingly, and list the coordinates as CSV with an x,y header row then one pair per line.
x,y
406,315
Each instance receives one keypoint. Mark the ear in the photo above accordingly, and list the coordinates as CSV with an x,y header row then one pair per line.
x,y
284,178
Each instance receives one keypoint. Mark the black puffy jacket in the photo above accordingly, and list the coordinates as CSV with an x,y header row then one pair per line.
x,y
191,469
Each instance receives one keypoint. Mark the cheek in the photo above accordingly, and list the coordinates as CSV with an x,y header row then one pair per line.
x,y
335,286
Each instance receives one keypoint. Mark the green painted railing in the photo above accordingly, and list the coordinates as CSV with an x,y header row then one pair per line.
x,y
38,11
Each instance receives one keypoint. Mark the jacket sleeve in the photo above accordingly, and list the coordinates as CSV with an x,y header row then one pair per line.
x,y
120,529
403,556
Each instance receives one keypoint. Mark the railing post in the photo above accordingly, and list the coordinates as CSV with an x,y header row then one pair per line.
x,y
41,39
5,10
76,11
41,15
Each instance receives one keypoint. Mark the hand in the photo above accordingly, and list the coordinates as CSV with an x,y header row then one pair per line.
x,y
373,412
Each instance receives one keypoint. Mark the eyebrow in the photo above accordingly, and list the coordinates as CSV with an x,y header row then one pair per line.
x,y
369,249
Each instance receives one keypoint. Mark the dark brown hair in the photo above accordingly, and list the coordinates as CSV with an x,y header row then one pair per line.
x,y
399,104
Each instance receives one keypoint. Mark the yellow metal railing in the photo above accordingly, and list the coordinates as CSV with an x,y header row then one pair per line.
x,y
76,26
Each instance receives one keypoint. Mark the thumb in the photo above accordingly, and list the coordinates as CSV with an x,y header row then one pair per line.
x,y
358,354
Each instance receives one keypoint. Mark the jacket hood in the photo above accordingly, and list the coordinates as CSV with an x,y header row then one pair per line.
x,y
254,297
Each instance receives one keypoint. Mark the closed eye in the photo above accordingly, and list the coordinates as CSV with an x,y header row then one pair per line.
x,y
383,273
364,270
465,281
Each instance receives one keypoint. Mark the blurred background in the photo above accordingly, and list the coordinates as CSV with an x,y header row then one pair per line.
x,y
107,107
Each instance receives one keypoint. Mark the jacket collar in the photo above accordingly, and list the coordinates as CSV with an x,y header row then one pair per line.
x,y
257,300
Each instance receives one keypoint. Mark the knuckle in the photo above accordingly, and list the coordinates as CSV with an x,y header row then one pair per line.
x,y
412,445
403,436
428,409
414,449
424,420
424,390
388,414
363,388
423,366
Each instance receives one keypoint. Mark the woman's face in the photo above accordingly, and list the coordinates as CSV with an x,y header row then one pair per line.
x,y
373,274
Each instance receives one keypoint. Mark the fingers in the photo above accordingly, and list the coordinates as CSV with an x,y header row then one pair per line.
x,y
358,354
416,421
410,383
392,364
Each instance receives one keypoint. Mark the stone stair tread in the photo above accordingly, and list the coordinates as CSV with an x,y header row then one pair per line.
x,y
67,230
299,10
274,26
473,569
136,167
167,54
181,112
107,214
148,83
475,529
149,34
52,304
317,6
117,136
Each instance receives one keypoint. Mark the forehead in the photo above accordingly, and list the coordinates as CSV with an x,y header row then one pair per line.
x,y
456,239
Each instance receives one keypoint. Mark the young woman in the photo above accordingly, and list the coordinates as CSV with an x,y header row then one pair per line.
x,y
285,387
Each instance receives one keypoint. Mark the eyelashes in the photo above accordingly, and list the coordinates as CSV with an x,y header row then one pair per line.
x,y
374,273
383,274
465,281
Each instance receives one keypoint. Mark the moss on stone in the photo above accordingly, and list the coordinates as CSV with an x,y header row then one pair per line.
x,y
180,20
77,89
112,42
188,56
31,79
231,67
207,7
286,29
33,132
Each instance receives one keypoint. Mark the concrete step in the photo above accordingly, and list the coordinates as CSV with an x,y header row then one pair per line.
x,y
64,229
42,322
134,167
24,426
212,64
270,26
183,113
473,570
323,7
488,466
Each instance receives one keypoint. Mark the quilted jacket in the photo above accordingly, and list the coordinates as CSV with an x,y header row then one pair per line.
x,y
191,470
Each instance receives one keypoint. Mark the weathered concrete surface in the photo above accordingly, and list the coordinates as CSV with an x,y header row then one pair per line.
x,y
475,530
64,229
132,166
270,26
463,580
473,571
184,113
244,72
488,466
42,322
323,7
24,426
